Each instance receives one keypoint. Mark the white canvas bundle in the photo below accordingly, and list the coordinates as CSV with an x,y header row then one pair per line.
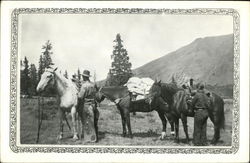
x,y
139,86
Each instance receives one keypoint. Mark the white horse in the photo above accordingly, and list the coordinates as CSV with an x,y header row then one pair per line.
x,y
67,92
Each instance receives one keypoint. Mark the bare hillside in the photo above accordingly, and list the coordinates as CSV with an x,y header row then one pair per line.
x,y
208,59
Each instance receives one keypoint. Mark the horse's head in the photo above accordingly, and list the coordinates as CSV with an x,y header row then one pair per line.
x,y
46,78
155,91
99,96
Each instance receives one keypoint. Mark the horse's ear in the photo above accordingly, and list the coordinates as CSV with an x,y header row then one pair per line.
x,y
55,69
159,82
96,87
100,89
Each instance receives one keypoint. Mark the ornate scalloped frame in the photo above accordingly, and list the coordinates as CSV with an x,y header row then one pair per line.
x,y
146,150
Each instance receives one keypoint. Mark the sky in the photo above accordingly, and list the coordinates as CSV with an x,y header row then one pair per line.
x,y
85,41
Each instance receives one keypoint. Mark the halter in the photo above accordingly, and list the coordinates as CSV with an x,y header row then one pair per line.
x,y
53,77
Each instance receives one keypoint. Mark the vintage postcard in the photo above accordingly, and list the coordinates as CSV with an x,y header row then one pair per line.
x,y
95,81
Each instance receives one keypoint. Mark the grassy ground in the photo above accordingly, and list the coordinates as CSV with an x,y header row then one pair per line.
x,y
146,127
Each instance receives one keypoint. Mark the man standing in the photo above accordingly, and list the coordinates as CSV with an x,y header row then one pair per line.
x,y
87,109
200,103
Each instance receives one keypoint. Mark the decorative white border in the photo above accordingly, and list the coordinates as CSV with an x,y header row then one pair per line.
x,y
170,150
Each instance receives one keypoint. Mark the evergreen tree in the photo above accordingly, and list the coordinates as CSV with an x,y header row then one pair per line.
x,y
21,65
33,79
22,78
79,74
120,70
66,74
94,77
47,54
25,79
45,61
40,67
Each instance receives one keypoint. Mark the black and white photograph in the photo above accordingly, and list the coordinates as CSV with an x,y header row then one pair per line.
x,y
129,79
125,80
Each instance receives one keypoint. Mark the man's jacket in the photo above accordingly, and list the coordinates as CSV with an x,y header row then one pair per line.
x,y
200,100
87,92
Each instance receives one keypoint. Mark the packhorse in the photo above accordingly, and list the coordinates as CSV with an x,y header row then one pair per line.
x,y
122,99
68,100
178,99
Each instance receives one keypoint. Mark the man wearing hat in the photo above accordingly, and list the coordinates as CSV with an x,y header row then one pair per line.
x,y
87,108
200,104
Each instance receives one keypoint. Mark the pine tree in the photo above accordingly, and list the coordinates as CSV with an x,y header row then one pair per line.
x,y
25,79
66,74
22,78
94,77
47,54
33,79
79,74
21,65
40,67
120,70
45,61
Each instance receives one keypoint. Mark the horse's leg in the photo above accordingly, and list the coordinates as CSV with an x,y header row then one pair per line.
x,y
184,122
164,124
80,112
96,117
171,120
61,115
73,114
177,130
124,130
127,118
172,133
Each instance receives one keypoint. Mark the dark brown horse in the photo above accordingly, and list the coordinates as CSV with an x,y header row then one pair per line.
x,y
177,100
121,96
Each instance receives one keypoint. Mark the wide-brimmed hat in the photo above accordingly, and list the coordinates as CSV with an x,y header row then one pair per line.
x,y
86,73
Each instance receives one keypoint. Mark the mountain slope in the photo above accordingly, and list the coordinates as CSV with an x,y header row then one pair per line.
x,y
208,59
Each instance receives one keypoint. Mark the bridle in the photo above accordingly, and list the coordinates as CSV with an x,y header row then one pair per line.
x,y
52,77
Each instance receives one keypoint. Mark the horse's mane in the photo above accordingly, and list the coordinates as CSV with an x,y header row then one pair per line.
x,y
62,79
66,82
168,90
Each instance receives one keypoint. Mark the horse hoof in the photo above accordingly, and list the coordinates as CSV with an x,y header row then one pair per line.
x,y
214,141
59,137
176,141
172,134
75,137
163,136
130,136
